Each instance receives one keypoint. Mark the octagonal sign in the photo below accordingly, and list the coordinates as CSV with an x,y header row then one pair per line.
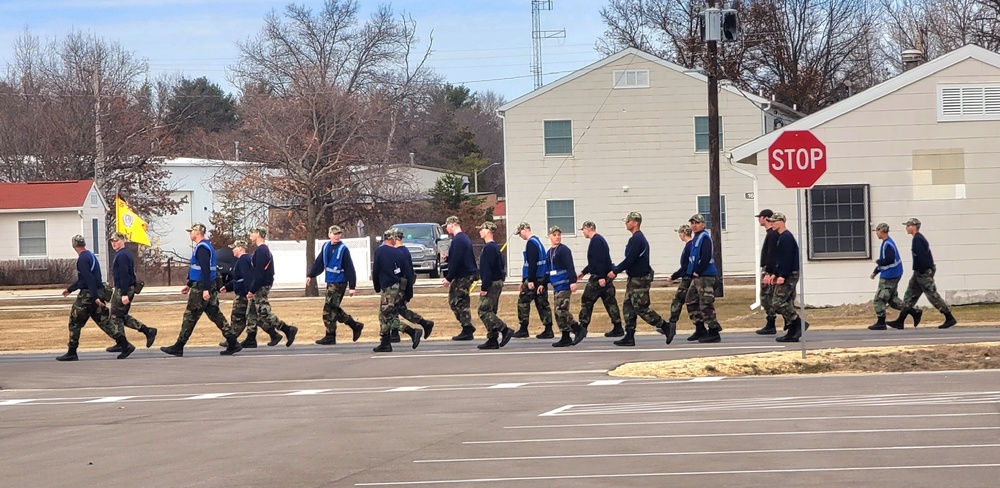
x,y
797,159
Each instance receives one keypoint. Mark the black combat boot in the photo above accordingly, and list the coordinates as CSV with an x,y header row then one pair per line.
x,y
579,333
949,320
114,348
233,346
290,331
898,323
385,345
465,335
328,340
916,313
616,331
794,332
505,336
275,337
249,343
415,335
546,333
491,343
565,340
880,324
670,330
175,350
393,336
768,328
150,334
69,356
356,329
711,335
627,340
699,332
522,332
428,326
126,348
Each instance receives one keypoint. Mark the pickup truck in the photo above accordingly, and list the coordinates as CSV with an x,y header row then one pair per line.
x,y
428,245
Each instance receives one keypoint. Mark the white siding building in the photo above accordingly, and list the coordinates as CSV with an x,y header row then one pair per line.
x,y
925,144
628,133
39,219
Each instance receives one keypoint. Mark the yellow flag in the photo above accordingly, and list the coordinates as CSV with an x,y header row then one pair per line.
x,y
128,223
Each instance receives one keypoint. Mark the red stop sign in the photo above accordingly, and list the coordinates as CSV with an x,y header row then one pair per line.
x,y
797,159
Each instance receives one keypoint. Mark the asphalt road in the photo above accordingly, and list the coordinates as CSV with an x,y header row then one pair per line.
x,y
529,415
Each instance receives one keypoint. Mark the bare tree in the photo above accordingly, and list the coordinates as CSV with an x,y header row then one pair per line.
x,y
939,26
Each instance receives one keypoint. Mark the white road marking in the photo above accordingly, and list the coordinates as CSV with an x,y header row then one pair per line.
x,y
706,379
308,392
728,434
109,399
208,396
760,419
606,382
618,350
408,388
556,411
15,402
701,453
507,385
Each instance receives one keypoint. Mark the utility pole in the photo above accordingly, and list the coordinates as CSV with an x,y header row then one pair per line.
x,y
537,34
714,193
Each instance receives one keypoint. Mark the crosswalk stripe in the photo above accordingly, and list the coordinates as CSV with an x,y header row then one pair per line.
x,y
606,382
208,396
408,388
507,385
109,399
308,392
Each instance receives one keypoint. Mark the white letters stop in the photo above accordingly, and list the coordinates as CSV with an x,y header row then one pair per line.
x,y
801,158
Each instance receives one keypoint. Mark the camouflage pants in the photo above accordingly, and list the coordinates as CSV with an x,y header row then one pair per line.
x,y
593,292
679,298
923,283
196,306
388,312
405,311
783,299
332,311
766,300
564,319
541,299
488,306
459,301
886,296
85,307
637,302
266,319
243,316
701,301
119,311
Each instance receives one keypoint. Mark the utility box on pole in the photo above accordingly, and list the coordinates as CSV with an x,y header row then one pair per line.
x,y
730,25
711,25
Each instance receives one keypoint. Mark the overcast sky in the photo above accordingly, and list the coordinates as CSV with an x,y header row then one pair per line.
x,y
484,44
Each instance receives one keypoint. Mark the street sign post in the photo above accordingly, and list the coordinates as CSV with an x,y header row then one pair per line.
x,y
797,159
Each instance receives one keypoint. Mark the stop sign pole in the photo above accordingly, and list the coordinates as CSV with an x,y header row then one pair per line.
x,y
797,159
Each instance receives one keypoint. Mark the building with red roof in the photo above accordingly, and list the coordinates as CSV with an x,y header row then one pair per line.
x,y
41,218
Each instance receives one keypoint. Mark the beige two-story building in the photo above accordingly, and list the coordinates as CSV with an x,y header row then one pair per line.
x,y
925,144
629,133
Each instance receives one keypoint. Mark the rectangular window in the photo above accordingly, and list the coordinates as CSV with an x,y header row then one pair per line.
x,y
558,137
838,222
703,208
97,235
969,102
632,78
701,134
31,238
93,200
561,213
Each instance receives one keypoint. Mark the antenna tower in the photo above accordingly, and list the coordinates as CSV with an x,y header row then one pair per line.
x,y
537,35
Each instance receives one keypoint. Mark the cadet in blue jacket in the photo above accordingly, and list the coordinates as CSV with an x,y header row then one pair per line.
x,y
334,262
562,276
461,273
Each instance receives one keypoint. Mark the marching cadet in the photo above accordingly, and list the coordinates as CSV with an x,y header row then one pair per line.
x,y
260,288
335,261
701,295
461,273
599,264
534,276
785,261
562,275
767,291
640,277
889,269
89,303
491,274
203,295
406,283
921,282
388,267
123,270
242,313
684,234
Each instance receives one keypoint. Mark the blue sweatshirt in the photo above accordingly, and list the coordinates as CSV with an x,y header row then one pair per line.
x,y
561,270
263,268
490,265
786,255
685,254
461,260
242,275
405,260
88,275
599,261
767,249
636,261
384,267
123,270
346,264
923,260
